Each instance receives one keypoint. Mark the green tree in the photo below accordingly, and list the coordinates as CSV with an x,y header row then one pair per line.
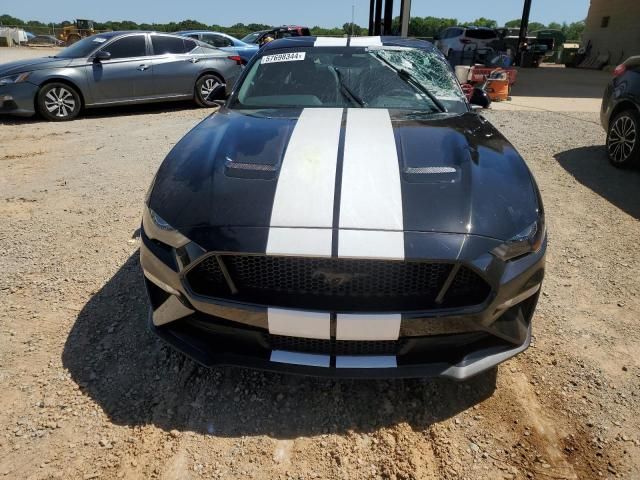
x,y
513,23
483,22
9,20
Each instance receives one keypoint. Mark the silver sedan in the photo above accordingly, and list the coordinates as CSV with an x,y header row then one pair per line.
x,y
118,68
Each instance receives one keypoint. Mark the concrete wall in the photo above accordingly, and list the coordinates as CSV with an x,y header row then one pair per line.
x,y
621,38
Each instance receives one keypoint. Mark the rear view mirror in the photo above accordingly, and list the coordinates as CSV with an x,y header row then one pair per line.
x,y
101,55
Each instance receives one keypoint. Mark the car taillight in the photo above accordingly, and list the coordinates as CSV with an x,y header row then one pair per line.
x,y
619,71
466,41
237,58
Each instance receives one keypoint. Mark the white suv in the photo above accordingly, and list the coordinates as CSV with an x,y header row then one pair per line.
x,y
457,38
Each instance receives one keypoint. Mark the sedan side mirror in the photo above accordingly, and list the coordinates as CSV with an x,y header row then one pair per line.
x,y
101,55
480,98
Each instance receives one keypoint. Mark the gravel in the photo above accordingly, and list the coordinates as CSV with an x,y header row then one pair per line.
x,y
87,392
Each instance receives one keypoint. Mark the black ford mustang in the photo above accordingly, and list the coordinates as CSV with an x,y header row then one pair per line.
x,y
346,213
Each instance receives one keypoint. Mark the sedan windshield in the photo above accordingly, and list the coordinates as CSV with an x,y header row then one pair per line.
x,y
83,48
251,38
374,77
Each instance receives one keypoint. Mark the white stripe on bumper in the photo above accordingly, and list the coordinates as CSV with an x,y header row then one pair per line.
x,y
305,192
296,358
368,327
382,361
299,323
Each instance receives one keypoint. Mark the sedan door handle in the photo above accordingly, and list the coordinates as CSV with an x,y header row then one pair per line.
x,y
143,67
194,60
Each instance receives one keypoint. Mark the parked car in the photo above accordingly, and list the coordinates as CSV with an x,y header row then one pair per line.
x,y
45,40
223,42
278,32
459,38
302,228
117,68
620,114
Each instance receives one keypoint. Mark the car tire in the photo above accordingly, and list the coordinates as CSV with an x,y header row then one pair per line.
x,y
623,139
58,102
205,85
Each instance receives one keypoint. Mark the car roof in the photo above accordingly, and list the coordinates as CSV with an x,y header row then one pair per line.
x,y
182,32
305,42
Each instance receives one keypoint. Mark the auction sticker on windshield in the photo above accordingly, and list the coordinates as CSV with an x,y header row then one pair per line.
x,y
283,57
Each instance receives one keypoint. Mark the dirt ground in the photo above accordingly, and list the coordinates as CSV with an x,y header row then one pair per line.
x,y
87,392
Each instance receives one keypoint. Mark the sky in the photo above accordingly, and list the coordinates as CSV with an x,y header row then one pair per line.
x,y
325,13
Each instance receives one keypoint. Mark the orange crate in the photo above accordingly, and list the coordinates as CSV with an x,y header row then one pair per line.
x,y
479,74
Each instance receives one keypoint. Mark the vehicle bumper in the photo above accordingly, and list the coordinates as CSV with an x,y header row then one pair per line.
x,y
18,99
454,343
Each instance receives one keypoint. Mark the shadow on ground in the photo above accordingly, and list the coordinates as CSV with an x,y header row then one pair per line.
x,y
590,167
138,380
122,111
557,81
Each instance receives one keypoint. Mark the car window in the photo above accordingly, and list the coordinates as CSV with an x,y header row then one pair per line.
x,y
163,45
481,34
252,37
194,35
216,40
127,47
84,47
189,45
342,77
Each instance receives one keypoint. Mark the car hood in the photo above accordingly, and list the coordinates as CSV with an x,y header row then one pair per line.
x,y
458,174
32,64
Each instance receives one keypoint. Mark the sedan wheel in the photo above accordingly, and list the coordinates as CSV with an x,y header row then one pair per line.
x,y
623,144
204,87
58,102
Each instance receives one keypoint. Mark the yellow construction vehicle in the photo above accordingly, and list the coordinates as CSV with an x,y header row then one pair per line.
x,y
74,32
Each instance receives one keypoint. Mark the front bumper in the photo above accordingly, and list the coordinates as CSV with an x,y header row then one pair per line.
x,y
18,99
453,343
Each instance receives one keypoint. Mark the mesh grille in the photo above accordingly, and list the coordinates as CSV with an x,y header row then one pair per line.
x,y
334,284
336,347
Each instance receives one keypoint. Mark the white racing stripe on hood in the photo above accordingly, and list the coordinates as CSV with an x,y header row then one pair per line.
x,y
371,218
330,42
305,193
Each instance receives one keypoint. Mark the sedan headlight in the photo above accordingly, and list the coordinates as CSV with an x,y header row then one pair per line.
x,y
528,241
158,229
20,77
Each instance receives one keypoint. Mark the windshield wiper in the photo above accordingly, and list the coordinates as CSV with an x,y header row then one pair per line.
x,y
346,91
411,80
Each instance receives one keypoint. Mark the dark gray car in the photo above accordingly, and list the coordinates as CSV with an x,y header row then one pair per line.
x,y
117,68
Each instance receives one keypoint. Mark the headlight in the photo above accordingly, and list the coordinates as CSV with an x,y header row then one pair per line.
x,y
528,241
20,77
158,229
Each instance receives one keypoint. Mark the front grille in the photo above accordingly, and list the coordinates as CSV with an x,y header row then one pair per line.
x,y
333,284
336,347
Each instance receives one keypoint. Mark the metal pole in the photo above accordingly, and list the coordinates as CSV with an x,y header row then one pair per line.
x,y
388,17
405,16
372,6
353,16
524,27
378,20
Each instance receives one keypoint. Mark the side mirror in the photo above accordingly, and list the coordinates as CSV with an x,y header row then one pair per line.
x,y
101,55
480,98
219,93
